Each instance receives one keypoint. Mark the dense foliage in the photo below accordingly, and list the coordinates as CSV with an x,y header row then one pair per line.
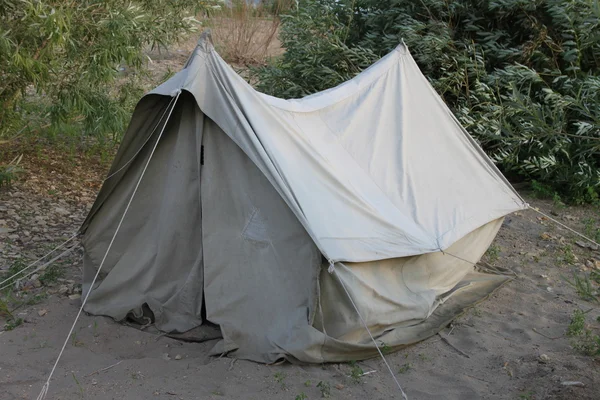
x,y
61,60
523,76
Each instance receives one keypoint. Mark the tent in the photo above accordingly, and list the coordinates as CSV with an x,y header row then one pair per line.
x,y
284,222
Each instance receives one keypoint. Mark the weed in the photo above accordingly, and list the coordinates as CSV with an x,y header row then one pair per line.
x,y
493,253
595,276
423,357
325,389
583,286
404,368
526,396
280,378
557,201
582,338
75,342
476,312
355,372
81,391
307,383
577,324
567,256
12,323
4,310
51,274
35,299
10,171
216,393
541,191
301,396
14,269
385,349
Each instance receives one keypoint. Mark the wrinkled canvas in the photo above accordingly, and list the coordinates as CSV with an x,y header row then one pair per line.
x,y
249,198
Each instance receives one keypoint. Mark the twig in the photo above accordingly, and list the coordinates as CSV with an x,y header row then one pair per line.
x,y
367,373
546,336
445,340
231,364
479,379
104,369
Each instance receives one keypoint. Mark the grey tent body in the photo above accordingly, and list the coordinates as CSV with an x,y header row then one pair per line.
x,y
248,199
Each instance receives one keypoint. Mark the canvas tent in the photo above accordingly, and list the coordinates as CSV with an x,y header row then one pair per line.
x,y
249,202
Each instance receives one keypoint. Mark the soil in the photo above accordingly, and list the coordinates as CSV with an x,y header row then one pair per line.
x,y
512,345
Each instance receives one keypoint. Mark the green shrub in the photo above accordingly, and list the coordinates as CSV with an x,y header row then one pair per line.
x,y
71,56
523,76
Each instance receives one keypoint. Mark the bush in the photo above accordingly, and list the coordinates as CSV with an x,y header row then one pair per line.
x,y
523,76
60,60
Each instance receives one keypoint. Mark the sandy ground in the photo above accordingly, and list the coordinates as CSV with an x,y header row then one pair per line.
x,y
512,345
504,338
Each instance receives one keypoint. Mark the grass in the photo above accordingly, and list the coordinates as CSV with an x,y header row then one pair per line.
x,y
582,338
81,391
405,368
385,349
12,323
325,389
10,172
493,253
355,372
526,396
15,268
51,274
566,255
280,378
583,285
591,230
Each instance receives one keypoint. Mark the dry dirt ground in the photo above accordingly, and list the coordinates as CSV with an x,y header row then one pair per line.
x,y
510,346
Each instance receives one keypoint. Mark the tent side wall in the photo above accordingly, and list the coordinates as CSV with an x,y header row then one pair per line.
x,y
398,292
156,258
221,229
260,264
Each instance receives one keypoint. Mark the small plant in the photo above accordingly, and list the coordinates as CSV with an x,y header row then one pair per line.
x,y
583,286
12,323
493,253
404,368
567,256
325,389
577,324
557,201
541,191
307,383
526,396
14,269
35,299
423,357
51,274
280,378
81,391
301,396
74,341
595,276
582,338
385,349
355,372
10,171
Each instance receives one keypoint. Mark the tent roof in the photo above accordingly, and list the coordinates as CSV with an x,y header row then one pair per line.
x,y
375,168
